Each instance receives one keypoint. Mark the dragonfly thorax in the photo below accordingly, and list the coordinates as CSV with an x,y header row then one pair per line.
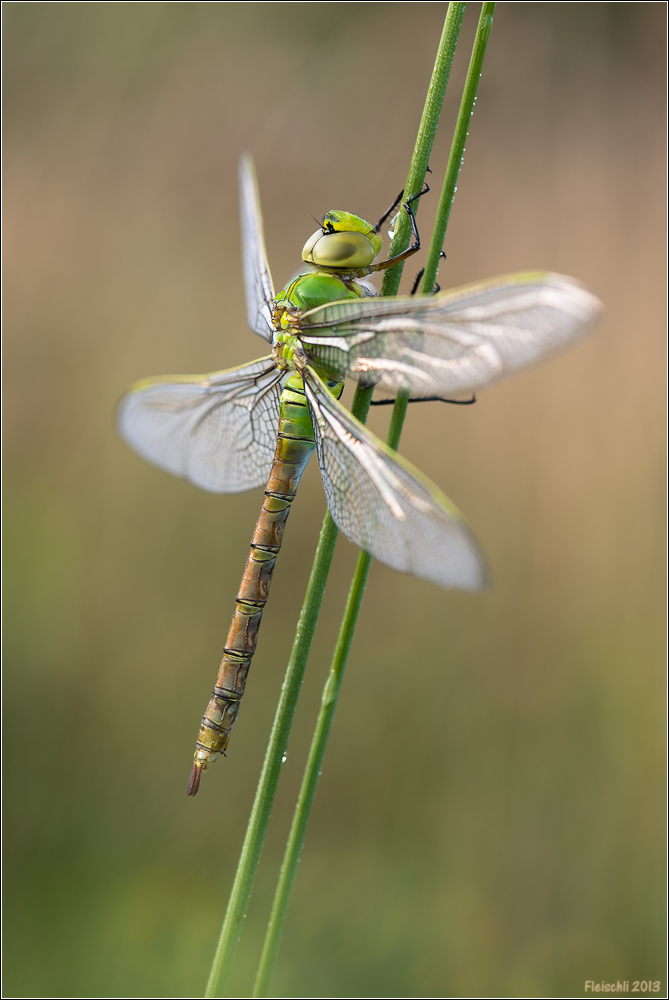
x,y
307,291
310,290
287,353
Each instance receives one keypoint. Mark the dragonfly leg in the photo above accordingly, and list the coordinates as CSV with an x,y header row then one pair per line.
x,y
414,287
437,287
385,215
414,247
394,205
425,399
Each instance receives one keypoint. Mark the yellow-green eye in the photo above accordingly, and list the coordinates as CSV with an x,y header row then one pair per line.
x,y
345,250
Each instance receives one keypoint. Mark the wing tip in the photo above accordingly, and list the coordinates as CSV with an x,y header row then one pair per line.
x,y
246,166
470,573
589,306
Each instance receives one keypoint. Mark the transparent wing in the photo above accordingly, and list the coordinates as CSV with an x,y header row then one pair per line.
x,y
458,341
218,431
257,279
386,506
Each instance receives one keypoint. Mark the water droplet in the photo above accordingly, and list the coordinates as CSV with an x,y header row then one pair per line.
x,y
283,759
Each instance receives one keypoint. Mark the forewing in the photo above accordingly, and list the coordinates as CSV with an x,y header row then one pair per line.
x,y
457,341
257,279
386,506
217,431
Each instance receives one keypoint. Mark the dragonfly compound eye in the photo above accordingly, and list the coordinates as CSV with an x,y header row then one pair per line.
x,y
339,249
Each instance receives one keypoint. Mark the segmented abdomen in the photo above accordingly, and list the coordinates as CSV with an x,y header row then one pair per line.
x,y
295,446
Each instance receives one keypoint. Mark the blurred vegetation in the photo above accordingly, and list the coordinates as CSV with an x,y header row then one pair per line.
x,y
489,820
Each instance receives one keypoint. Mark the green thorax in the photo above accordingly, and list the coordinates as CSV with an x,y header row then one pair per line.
x,y
305,292
318,287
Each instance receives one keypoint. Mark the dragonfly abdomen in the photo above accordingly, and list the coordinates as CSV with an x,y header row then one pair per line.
x,y
295,446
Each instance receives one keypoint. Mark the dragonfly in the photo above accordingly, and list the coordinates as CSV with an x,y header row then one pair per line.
x,y
240,428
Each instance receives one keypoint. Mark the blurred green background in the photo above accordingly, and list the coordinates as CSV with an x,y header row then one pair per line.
x,y
490,818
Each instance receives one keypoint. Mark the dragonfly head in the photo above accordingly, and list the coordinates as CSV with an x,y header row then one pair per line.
x,y
344,242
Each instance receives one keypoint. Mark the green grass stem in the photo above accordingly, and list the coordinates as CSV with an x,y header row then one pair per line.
x,y
424,139
458,146
310,780
390,285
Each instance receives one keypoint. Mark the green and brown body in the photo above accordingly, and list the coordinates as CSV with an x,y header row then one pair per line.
x,y
295,446
336,260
